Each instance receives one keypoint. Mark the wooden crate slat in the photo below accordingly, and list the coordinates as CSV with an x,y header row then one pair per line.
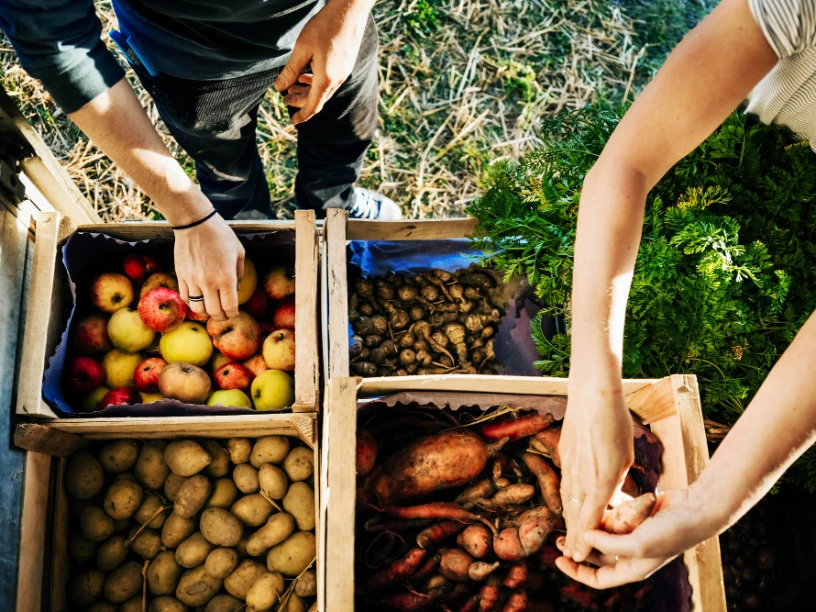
x,y
34,514
338,292
47,440
306,278
430,229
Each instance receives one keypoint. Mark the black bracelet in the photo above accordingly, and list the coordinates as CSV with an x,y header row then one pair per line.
x,y
194,223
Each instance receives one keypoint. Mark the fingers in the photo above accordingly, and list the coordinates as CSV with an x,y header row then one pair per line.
x,y
604,577
196,306
229,302
595,558
320,92
297,95
292,70
212,303
589,518
183,291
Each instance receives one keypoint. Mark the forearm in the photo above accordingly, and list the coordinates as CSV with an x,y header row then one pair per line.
x,y
117,124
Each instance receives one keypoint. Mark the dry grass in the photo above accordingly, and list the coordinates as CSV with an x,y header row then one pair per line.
x,y
462,82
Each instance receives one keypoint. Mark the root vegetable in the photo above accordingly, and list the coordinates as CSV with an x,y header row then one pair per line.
x,y
480,570
430,565
239,450
366,451
475,540
364,287
407,340
547,556
186,457
577,594
306,585
548,481
454,564
515,543
364,368
84,476
517,602
423,329
456,334
515,428
417,313
356,346
398,570
197,587
630,486
407,601
547,442
193,551
276,530
516,576
269,449
407,293
243,577
299,501
430,293
176,529
272,481
480,490
438,532
192,496
626,517
293,555
407,356
489,594
252,510
513,494
245,477
264,592
436,510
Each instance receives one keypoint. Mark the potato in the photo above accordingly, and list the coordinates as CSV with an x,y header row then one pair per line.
x,y
163,574
196,587
83,476
102,606
292,556
86,587
306,586
172,485
243,577
299,502
299,463
263,594
224,603
221,562
151,468
271,449
125,476
134,604
293,604
273,481
224,493
239,450
146,512
193,551
220,527
122,499
219,465
246,478
124,582
111,553
95,524
186,457
81,548
147,544
240,548
192,496
166,604
176,529
279,527
252,510
78,505
119,456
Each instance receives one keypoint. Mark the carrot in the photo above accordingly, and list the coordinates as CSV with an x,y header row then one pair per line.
x,y
517,602
397,570
626,517
438,510
515,428
426,569
454,564
548,481
437,532
489,594
547,442
479,570
480,490
366,451
516,576
407,601
475,540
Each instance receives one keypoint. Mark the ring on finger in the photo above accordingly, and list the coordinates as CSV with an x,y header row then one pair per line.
x,y
196,298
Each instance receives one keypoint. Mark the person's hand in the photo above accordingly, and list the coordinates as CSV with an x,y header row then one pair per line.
x,y
596,449
209,261
329,44
679,521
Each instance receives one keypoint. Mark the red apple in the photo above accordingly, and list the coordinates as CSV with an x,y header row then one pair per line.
x,y
284,317
266,328
256,364
192,315
238,338
162,309
84,374
279,282
233,376
279,350
90,335
111,291
257,304
146,375
120,397
140,265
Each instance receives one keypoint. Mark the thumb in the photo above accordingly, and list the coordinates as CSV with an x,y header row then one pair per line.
x,y
293,69
609,544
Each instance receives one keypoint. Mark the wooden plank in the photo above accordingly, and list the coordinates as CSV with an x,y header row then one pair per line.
x,y
306,349
32,532
340,493
60,563
47,440
653,402
337,282
430,229
161,229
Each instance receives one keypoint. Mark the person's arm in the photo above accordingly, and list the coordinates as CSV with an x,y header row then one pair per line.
x,y
709,73
778,426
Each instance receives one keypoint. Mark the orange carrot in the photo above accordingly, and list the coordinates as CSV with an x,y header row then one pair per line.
x,y
397,570
547,442
438,510
626,517
515,428
548,481
437,532
407,601
516,576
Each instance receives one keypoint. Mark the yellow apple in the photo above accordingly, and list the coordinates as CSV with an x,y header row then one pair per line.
x,y
248,282
188,343
233,397
111,291
149,398
273,390
127,331
119,367
219,359
159,279
91,401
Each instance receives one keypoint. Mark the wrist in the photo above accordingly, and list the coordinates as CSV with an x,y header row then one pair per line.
x,y
185,208
710,508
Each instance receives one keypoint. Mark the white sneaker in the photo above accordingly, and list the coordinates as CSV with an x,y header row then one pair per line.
x,y
373,205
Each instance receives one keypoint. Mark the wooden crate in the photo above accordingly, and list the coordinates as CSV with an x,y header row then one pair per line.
x,y
669,406
41,583
49,297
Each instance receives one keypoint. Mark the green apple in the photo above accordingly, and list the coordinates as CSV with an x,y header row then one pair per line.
x,y
149,398
127,331
119,367
273,390
91,401
233,398
187,343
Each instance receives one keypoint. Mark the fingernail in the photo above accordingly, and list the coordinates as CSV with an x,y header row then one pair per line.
x,y
560,541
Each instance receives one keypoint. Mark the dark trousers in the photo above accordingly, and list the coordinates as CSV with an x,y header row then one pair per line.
x,y
214,122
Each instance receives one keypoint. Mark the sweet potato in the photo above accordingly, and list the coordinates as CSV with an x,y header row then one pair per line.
x,y
512,495
626,517
454,564
548,481
475,540
479,570
547,556
397,570
515,428
547,442
516,576
489,594
407,601
437,586
481,490
516,542
425,570
517,602
438,510
577,593
366,451
437,532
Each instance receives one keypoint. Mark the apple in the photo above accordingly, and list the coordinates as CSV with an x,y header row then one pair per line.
x,y
232,398
239,337
159,279
232,376
120,397
162,309
185,382
248,282
257,304
219,359
192,315
84,374
127,331
279,282
146,376
139,265
111,291
149,398
267,327
284,317
93,400
273,390
256,364
279,350
188,343
90,335
119,368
